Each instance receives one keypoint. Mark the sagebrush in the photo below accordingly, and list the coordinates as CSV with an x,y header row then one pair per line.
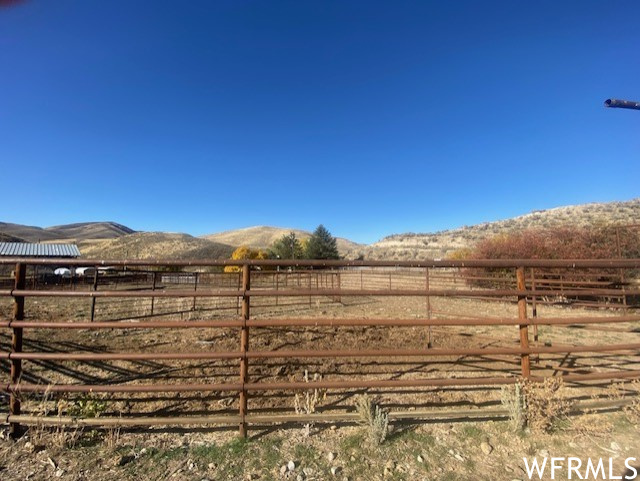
x,y
374,418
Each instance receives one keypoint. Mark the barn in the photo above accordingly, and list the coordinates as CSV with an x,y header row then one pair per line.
x,y
27,249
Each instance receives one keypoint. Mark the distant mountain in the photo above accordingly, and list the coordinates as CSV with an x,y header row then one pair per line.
x,y
91,230
410,246
149,245
73,232
26,232
263,236
112,240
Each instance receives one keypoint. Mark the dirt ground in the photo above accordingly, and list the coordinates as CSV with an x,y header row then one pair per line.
x,y
486,451
435,450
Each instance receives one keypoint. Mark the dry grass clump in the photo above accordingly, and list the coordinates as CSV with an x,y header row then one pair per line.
x,y
112,437
61,437
591,425
547,403
57,438
308,401
615,391
536,405
374,418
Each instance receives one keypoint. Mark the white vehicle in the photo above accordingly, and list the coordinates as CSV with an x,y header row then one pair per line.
x,y
62,272
85,271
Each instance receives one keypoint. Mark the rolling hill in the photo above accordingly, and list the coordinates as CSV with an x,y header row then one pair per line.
x,y
112,240
91,230
9,238
74,232
148,245
263,236
441,244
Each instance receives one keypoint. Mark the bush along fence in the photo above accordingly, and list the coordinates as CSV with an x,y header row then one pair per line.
x,y
334,280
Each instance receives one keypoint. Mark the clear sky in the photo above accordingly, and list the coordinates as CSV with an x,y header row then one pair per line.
x,y
370,117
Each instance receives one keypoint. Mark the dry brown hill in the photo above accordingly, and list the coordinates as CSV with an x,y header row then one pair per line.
x,y
263,236
148,245
26,232
112,240
9,238
91,230
75,232
441,244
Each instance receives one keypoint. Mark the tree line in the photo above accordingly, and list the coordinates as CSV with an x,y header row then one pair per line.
x,y
321,245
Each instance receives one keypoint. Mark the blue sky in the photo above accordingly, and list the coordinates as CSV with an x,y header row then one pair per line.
x,y
370,117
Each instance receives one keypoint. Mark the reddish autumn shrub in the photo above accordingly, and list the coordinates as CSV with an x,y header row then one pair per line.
x,y
560,243
555,243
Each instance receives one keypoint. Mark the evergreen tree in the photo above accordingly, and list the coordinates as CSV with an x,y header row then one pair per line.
x,y
287,247
322,245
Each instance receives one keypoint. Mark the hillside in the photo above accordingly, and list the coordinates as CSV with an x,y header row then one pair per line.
x,y
441,244
26,232
263,236
109,239
90,230
9,238
148,245
75,232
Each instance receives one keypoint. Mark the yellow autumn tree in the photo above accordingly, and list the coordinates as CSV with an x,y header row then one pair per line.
x,y
242,253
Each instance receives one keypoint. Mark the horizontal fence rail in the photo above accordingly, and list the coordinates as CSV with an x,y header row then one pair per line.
x,y
607,289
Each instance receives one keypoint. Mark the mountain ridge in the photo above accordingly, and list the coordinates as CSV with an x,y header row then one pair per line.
x,y
77,231
407,246
118,239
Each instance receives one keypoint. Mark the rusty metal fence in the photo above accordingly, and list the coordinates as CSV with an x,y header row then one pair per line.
x,y
334,280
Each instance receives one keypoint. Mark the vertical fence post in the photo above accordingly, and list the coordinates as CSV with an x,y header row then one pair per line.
x,y
277,285
622,279
335,298
153,288
195,289
426,281
244,346
534,304
16,346
534,312
524,328
93,299
238,298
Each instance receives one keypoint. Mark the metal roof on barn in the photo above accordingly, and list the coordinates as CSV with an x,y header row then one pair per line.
x,y
26,249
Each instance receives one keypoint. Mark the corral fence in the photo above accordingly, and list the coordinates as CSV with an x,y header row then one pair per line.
x,y
601,292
